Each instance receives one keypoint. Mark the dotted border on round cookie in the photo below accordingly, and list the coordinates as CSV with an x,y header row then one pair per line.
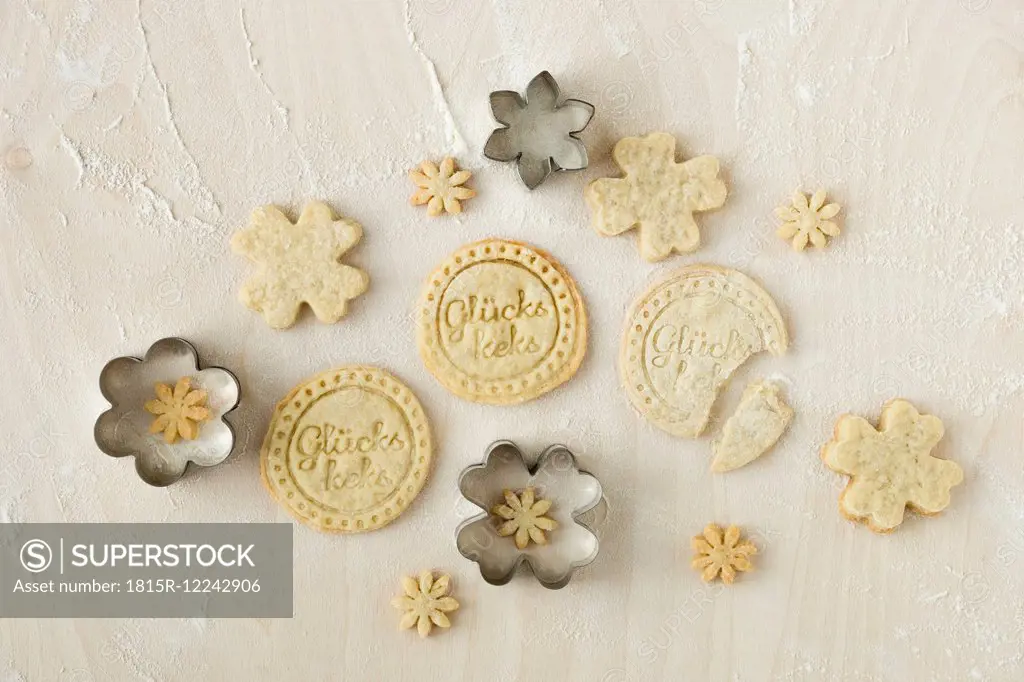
x,y
571,332
733,285
281,485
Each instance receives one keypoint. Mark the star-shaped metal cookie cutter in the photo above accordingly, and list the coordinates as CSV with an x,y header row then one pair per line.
x,y
539,133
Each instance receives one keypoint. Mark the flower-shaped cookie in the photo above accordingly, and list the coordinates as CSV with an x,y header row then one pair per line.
x,y
179,411
540,133
657,194
524,516
556,478
425,603
891,468
125,429
804,221
721,553
441,189
299,263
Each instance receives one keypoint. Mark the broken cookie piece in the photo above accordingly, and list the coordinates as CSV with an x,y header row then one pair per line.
x,y
758,422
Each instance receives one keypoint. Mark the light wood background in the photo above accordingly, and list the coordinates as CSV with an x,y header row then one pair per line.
x,y
136,135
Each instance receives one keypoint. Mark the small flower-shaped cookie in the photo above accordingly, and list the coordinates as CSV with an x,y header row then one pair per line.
x,y
891,468
178,412
721,553
540,132
441,189
804,222
425,602
657,195
524,517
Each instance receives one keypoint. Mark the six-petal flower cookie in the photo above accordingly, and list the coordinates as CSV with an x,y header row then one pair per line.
x,y
425,602
440,188
657,194
179,411
721,553
539,133
299,263
891,468
808,221
524,517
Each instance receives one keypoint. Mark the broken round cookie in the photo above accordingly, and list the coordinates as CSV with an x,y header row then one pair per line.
x,y
347,450
891,468
501,322
657,195
685,337
758,422
299,263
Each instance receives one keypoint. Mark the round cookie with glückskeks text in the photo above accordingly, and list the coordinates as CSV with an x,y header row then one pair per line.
x,y
685,337
347,450
501,322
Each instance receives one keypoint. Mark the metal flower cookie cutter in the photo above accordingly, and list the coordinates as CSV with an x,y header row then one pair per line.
x,y
539,132
123,430
555,477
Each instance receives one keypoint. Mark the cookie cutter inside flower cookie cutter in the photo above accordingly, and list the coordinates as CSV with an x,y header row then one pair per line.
x,y
574,494
539,131
123,430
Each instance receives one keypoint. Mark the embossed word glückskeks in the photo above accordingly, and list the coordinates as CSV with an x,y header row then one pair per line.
x,y
686,336
347,450
501,322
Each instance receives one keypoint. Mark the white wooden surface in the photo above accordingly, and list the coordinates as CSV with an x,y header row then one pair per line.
x,y
135,136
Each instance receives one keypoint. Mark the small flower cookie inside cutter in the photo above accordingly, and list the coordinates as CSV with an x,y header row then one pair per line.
x,y
539,132
556,477
128,383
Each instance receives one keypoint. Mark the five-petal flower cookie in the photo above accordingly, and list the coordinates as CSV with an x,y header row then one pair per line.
x,y
721,553
441,189
891,468
425,602
657,194
179,411
524,517
804,221
299,263
539,132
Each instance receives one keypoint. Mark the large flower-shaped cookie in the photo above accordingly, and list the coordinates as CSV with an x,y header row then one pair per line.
x,y
657,194
539,132
891,468
299,263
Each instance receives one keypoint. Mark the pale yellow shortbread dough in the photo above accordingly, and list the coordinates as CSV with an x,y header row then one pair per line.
x,y
758,422
347,450
686,336
501,322
657,195
891,468
299,263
